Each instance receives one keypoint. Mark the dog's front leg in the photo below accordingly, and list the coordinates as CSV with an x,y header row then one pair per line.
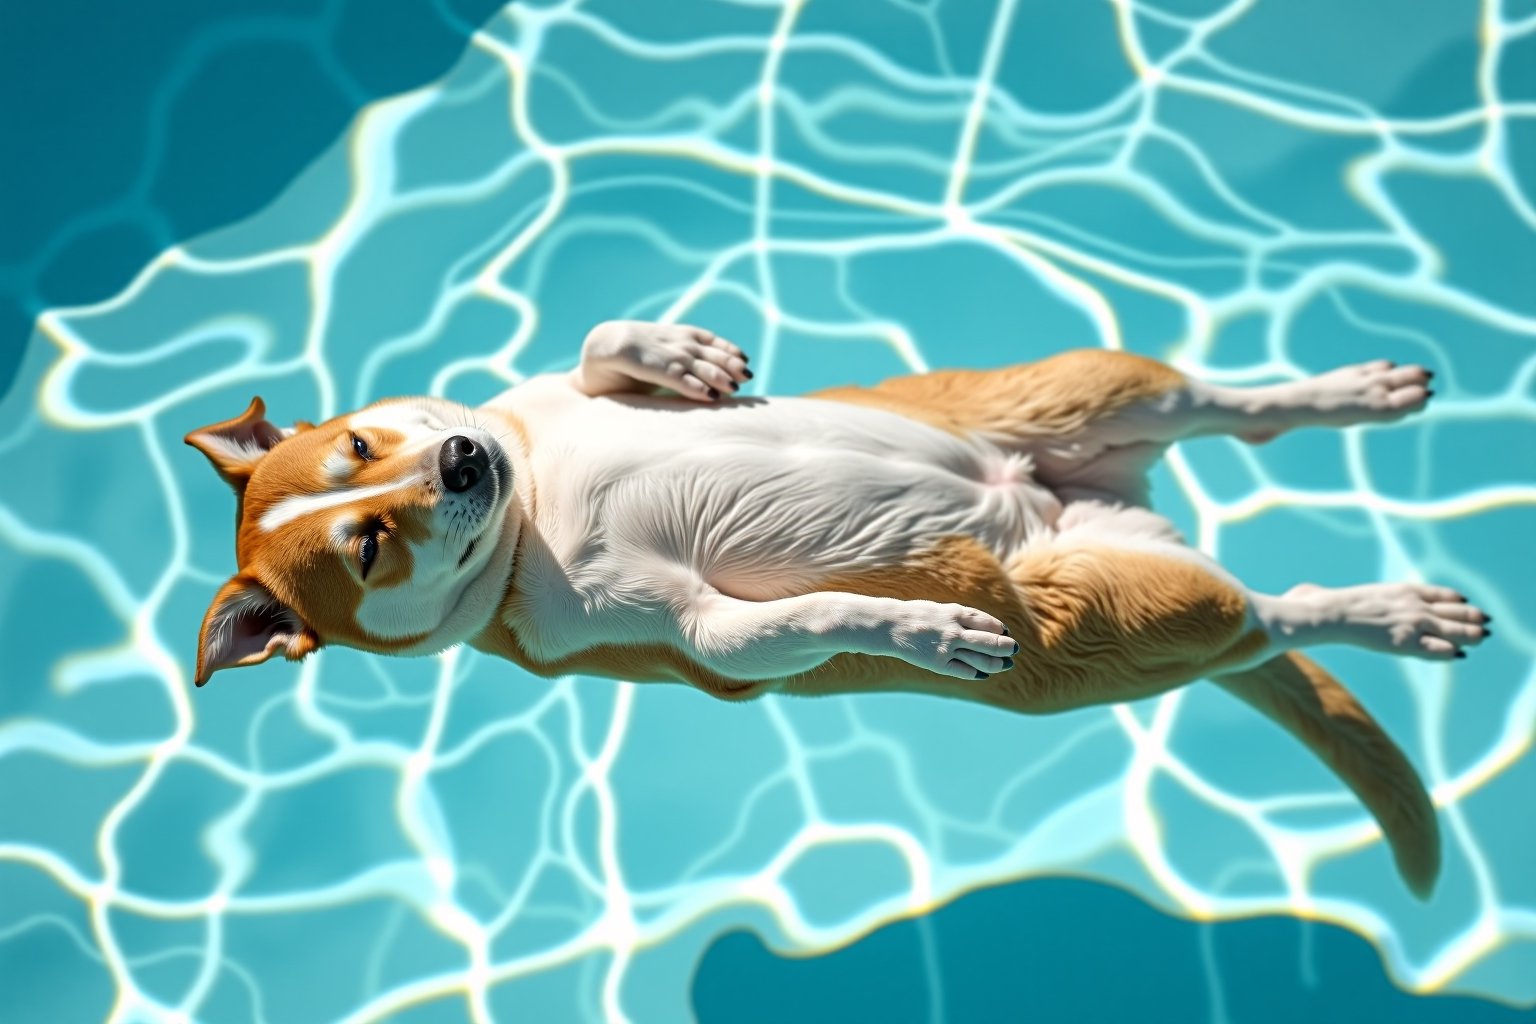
x,y
630,355
748,640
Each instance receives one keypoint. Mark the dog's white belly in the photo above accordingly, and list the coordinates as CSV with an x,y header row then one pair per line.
x,y
760,498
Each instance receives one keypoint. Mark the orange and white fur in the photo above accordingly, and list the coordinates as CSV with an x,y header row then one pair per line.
x,y
974,534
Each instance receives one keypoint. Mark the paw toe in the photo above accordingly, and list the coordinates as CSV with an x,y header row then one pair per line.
x,y
1438,647
1405,376
1431,592
970,618
1407,398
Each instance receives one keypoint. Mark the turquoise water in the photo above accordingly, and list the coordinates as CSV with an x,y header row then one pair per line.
x,y
1252,191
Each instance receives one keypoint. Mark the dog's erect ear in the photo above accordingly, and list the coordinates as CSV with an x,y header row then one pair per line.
x,y
236,446
246,625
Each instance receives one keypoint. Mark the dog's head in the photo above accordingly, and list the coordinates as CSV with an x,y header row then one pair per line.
x,y
367,530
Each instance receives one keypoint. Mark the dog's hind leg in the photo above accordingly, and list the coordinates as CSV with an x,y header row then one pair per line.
x,y
1398,618
1151,614
1374,392
1089,399
1094,419
1063,400
1115,608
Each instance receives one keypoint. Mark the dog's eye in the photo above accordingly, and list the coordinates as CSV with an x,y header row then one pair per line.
x,y
368,552
361,447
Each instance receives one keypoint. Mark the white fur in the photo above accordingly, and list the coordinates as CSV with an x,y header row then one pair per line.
x,y
236,449
648,505
407,416
338,466
291,508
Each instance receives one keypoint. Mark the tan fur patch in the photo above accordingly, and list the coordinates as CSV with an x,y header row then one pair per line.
x,y
1094,625
1055,398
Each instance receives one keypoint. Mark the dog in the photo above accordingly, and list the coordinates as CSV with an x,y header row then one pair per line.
x,y
981,534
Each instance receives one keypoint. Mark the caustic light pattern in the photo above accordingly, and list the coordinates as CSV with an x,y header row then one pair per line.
x,y
849,191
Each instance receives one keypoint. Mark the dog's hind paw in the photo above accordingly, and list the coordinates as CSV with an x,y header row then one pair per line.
x,y
1414,619
1374,392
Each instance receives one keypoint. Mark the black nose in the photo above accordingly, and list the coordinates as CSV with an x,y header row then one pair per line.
x,y
463,463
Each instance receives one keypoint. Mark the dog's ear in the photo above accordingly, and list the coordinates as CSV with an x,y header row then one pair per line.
x,y
246,625
236,446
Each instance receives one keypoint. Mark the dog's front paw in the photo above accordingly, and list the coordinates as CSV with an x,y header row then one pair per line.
x,y
950,639
694,362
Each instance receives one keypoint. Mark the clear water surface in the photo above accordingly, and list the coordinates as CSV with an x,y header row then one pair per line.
x,y
1253,191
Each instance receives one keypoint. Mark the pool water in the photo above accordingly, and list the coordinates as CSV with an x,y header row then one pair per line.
x,y
1251,191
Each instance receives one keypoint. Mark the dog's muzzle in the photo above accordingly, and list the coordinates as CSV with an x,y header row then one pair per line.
x,y
463,463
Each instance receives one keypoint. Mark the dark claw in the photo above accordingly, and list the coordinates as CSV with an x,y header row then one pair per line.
x,y
981,675
1487,633
1429,374
714,393
1461,654
747,374
735,386
1015,647
1428,393
1007,664
1005,631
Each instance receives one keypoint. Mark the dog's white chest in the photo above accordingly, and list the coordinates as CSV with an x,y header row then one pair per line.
x,y
760,498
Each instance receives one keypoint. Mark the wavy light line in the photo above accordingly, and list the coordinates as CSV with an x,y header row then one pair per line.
x,y
595,740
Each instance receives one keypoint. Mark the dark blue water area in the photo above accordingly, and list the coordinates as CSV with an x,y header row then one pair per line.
x,y
1066,950
130,127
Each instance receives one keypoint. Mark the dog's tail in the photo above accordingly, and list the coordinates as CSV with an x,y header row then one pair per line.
x,y
1294,691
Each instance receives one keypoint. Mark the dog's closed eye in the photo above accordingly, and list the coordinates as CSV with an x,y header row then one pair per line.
x,y
367,552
